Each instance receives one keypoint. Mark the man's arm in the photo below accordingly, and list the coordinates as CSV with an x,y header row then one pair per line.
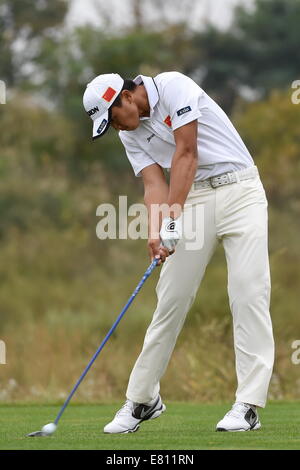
x,y
184,166
156,191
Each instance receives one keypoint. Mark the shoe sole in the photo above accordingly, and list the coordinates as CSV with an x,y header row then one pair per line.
x,y
153,415
128,430
256,427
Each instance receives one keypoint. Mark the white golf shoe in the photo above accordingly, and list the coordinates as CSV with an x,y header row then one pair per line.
x,y
241,417
129,417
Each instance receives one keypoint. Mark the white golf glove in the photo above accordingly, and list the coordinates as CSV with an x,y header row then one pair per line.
x,y
170,232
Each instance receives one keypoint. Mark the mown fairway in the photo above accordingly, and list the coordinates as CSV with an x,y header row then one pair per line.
x,y
183,426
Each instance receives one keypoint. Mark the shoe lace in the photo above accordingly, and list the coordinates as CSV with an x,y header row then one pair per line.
x,y
238,409
126,408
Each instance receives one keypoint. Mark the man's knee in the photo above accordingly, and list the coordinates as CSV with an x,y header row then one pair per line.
x,y
247,287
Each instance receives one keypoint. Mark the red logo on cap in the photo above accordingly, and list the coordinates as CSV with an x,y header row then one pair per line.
x,y
168,121
109,94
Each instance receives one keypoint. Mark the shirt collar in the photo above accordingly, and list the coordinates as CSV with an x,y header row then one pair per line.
x,y
151,90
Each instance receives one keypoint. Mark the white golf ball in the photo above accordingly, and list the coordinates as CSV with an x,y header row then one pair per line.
x,y
49,428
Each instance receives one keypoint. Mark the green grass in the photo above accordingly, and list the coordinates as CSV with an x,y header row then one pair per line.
x,y
183,426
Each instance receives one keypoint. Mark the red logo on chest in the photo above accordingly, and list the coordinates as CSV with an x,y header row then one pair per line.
x,y
168,121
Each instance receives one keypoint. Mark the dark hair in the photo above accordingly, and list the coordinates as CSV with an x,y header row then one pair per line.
x,y
128,85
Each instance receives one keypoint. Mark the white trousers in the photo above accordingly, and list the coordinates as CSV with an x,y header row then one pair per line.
x,y
236,215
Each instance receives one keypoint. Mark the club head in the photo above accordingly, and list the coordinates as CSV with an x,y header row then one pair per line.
x,y
37,434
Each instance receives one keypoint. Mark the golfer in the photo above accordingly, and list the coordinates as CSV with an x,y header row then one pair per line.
x,y
169,122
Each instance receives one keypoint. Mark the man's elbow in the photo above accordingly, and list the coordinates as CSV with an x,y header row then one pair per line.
x,y
188,154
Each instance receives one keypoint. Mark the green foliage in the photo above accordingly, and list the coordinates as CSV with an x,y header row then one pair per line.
x,y
69,64
61,287
24,23
271,130
32,135
271,35
259,51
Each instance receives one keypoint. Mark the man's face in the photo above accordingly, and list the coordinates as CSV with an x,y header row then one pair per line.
x,y
125,117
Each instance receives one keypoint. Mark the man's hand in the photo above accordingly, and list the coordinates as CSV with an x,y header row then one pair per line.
x,y
170,232
156,250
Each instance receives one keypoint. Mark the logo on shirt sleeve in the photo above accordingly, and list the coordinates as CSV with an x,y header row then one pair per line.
x,y
168,121
182,111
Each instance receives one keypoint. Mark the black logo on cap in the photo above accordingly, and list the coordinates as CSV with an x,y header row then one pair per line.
x,y
93,111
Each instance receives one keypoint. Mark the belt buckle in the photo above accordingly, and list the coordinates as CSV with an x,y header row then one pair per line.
x,y
224,178
217,182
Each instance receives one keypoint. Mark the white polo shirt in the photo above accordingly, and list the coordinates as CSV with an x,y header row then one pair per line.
x,y
176,100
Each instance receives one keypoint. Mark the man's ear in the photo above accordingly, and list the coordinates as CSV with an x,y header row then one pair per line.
x,y
127,96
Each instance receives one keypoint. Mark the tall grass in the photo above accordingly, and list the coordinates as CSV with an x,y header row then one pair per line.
x,y
61,290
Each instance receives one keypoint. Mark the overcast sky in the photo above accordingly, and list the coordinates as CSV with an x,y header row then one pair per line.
x,y
218,12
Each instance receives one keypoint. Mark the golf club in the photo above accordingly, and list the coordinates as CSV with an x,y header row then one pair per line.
x,y
50,428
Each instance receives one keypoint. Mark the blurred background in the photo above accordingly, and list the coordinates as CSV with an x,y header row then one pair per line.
x,y
61,288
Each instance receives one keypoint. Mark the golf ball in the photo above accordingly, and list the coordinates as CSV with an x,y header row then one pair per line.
x,y
49,428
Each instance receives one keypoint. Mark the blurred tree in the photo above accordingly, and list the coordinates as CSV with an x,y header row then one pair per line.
x,y
271,35
137,12
32,136
259,52
67,65
23,23
35,145
151,15
224,63
219,65
270,129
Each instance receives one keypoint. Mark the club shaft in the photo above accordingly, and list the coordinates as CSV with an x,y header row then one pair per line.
x,y
142,281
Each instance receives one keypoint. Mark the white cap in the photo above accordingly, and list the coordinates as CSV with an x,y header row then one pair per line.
x,y
99,95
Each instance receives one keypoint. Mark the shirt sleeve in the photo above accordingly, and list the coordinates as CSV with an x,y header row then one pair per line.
x,y
137,158
181,96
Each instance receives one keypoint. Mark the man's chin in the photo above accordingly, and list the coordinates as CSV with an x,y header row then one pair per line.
x,y
130,128
133,128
